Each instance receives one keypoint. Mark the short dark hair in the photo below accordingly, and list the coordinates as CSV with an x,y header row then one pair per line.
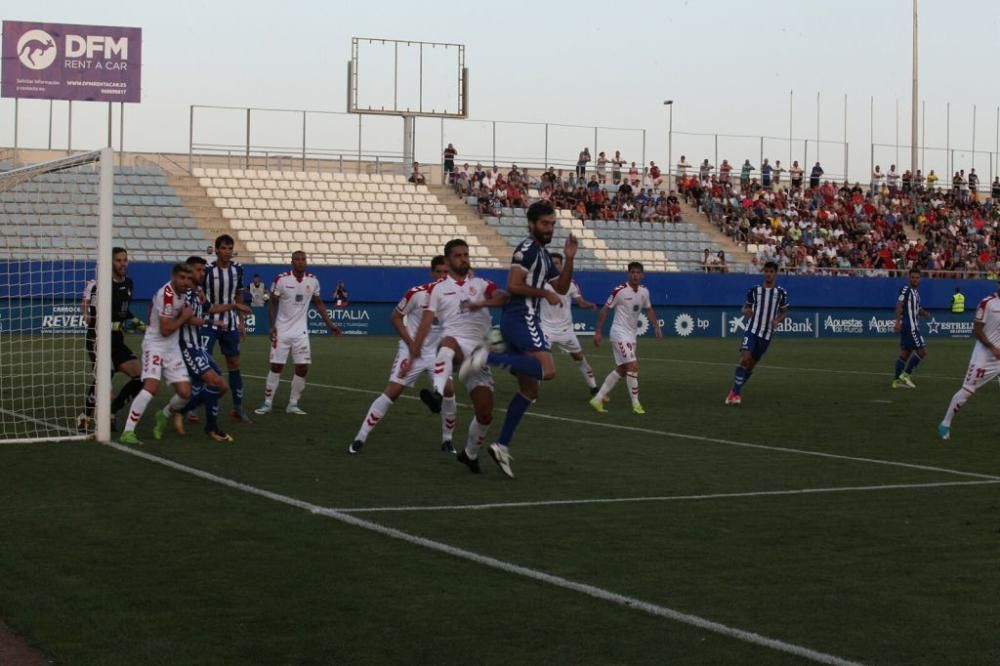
x,y
302,252
914,270
195,260
180,267
556,254
771,264
635,264
437,261
116,250
452,244
539,208
224,239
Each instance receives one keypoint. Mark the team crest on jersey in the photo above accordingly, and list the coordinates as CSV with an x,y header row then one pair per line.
x,y
299,298
518,256
635,308
472,291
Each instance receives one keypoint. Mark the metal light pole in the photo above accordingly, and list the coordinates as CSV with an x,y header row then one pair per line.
x,y
913,101
669,103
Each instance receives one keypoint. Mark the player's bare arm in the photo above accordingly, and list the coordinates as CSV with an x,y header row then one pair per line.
x,y
516,286
396,319
169,325
498,299
85,311
979,332
418,340
584,304
565,280
243,315
655,321
601,316
898,326
780,317
272,314
325,314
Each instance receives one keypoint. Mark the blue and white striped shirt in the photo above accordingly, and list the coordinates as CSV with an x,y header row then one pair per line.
x,y
532,258
910,298
766,303
191,335
221,286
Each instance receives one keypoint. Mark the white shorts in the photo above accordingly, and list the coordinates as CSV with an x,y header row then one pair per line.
x,y
983,367
624,351
164,364
566,339
297,344
423,364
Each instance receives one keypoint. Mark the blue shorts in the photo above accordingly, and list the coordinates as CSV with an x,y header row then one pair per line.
x,y
522,332
229,341
198,362
911,339
756,345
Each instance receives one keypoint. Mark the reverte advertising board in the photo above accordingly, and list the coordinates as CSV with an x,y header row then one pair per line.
x,y
71,62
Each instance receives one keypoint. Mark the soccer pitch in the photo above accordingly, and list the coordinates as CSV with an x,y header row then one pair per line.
x,y
822,520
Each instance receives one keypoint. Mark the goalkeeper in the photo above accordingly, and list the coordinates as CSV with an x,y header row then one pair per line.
x,y
122,358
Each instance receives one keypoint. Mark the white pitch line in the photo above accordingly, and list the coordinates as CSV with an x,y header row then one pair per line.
x,y
664,498
696,438
506,567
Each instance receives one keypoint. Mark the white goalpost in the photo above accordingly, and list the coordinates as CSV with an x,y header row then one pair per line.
x,y
55,237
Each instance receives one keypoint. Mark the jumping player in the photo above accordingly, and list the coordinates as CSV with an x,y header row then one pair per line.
x,y
627,300
913,348
766,306
288,308
161,352
557,324
460,303
985,362
406,320
528,355
223,285
122,358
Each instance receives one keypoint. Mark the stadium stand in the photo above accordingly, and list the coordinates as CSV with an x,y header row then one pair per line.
x,y
339,218
150,218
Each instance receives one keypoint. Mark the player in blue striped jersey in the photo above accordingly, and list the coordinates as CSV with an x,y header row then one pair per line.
x,y
765,307
528,355
223,285
913,349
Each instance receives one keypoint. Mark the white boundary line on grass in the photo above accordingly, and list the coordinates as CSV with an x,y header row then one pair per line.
x,y
665,498
696,438
506,567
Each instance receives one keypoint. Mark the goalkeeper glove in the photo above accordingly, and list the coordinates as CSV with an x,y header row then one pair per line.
x,y
139,324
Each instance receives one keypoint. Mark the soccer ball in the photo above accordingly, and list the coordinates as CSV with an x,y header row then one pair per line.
x,y
495,341
267,297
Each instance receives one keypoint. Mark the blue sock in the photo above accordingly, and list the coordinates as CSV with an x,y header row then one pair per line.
x,y
521,364
912,364
197,397
900,365
515,410
210,396
236,384
741,377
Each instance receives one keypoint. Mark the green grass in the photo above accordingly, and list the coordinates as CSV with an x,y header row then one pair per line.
x,y
106,558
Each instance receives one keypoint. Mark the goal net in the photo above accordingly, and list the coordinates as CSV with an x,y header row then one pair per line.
x,y
55,222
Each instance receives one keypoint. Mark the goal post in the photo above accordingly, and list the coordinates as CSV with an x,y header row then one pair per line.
x,y
55,236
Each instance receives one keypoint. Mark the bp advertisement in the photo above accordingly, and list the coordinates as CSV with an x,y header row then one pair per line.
x,y
65,317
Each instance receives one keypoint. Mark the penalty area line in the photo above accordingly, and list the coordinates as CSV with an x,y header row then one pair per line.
x,y
501,565
695,438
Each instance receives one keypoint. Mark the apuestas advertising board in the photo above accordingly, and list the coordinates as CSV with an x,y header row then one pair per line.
x,y
373,319
73,62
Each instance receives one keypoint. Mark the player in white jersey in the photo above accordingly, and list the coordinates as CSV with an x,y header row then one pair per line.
x,y
406,318
557,323
628,301
460,303
161,352
288,308
985,362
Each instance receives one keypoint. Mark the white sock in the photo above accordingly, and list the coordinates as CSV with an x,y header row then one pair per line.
x,y
442,368
298,385
957,400
609,383
448,411
632,381
375,413
175,404
271,387
139,405
477,433
587,372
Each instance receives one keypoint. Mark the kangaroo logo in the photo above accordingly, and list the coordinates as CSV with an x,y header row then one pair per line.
x,y
36,49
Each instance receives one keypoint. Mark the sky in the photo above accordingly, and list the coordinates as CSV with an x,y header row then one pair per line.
x,y
729,67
